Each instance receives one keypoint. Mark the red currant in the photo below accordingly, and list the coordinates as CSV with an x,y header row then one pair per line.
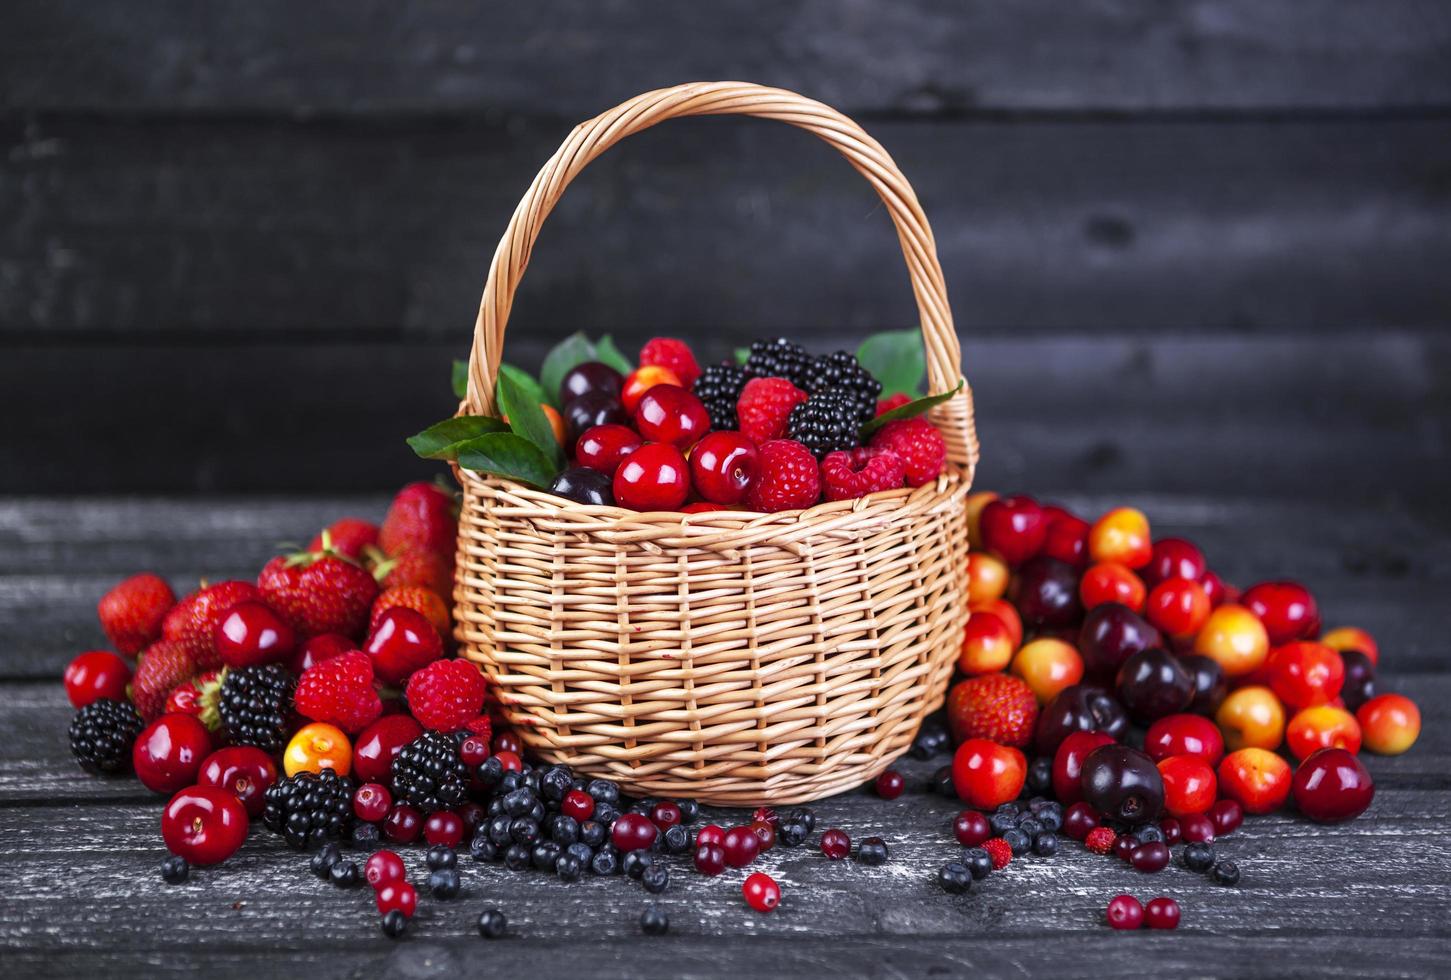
x,y
761,892
577,804
741,845
653,477
890,784
604,446
710,834
399,895
371,802
1013,528
1196,828
378,743
383,867
443,827
1125,912
709,859
1174,558
1150,858
665,814
510,761
1080,820
633,832
94,675
403,824
1162,913
251,633
668,413
204,824
169,753
722,466
835,844
1287,609
245,771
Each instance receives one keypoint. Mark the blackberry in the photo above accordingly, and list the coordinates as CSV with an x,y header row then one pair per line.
x,y
309,809
256,706
843,372
102,734
779,358
825,422
428,774
718,388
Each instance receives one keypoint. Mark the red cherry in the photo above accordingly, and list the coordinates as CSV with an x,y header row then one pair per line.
x,y
1304,673
245,771
1066,538
383,867
741,846
605,446
403,824
251,633
710,834
1287,609
378,743
169,753
371,802
399,896
579,805
761,892
722,465
653,477
1174,558
633,832
1184,735
971,828
402,642
1068,764
1162,913
987,774
444,827
322,647
709,859
665,814
1013,528
1189,785
1178,607
94,675
1332,785
669,413
1219,593
204,824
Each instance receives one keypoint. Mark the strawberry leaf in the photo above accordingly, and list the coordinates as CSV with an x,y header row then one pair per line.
x,y
510,456
460,379
444,440
907,411
895,358
606,352
526,418
567,354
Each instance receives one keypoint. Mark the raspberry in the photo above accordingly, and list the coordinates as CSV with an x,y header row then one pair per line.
x,y
481,726
673,354
340,692
885,405
1100,840
787,478
1000,851
765,406
919,444
446,694
846,475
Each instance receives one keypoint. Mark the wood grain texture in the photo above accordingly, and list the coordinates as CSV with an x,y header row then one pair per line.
x,y
575,57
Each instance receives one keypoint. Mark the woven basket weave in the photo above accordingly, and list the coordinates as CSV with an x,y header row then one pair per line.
x,y
735,658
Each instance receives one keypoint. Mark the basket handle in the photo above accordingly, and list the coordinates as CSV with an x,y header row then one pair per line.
x,y
591,138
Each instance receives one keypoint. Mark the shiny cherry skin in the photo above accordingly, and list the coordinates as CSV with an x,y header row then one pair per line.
x,y
1210,684
1121,535
169,753
94,675
1004,610
1359,685
1234,638
1332,785
1013,528
1218,590
1152,684
710,834
402,641
589,410
642,379
1347,638
1304,673
653,477
204,824
403,824
669,413
1150,858
1162,913
761,892
1257,779
1389,723
1322,727
584,486
835,844
250,633
510,761
1287,609
1048,666
1110,634
1178,608
246,772
1184,734
709,859
987,645
603,447
577,804
588,377
397,895
1197,828
722,466
507,741
633,832
971,828
987,774
371,802
1068,764
1066,539
383,867
1079,820
741,845
1125,912
1079,708
1123,783
377,744
1111,582
1045,591
1173,558
1190,785
1251,717
890,784
987,577
324,646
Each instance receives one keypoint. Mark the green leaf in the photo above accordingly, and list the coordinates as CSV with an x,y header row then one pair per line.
x,y
443,440
568,353
524,380
608,353
896,359
460,379
510,456
909,410
743,354
526,418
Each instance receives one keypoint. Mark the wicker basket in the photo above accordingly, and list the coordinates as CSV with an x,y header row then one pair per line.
x,y
735,658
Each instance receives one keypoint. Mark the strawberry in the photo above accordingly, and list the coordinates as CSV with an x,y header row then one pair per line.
x,y
161,667
995,706
414,597
319,592
446,694
422,517
198,697
132,612
423,569
349,537
340,692
193,621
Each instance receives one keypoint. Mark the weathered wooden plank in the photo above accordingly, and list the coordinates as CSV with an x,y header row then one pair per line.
x,y
573,58
270,228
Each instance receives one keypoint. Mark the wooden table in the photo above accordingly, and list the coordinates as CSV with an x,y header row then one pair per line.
x,y
80,893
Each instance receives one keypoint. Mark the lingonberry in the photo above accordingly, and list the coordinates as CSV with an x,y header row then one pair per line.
x,y
244,771
1080,820
169,753
1153,684
1255,778
378,743
1125,912
1122,783
1121,535
397,896
722,466
653,477
371,802
633,832
587,377
710,834
1332,785
1178,608
642,380
1184,734
971,828
890,784
1389,723
577,804
204,824
1226,816
1171,830
987,774
765,832
1151,857
670,414
1175,558
1287,609
94,675
1190,785
1196,828
1068,764
741,845
835,844
250,633
1162,913
665,814
1013,528
761,892
709,859
604,447
403,824
584,486
1111,582
383,867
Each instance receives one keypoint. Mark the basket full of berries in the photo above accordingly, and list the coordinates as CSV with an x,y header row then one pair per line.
x,y
743,584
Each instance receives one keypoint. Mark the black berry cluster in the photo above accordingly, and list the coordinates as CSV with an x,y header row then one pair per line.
x,y
102,734
825,422
779,358
256,706
428,773
842,373
309,809
718,388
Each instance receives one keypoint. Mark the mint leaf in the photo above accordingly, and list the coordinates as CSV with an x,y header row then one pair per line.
x,y
460,379
568,353
524,380
607,353
909,410
443,440
895,358
510,456
526,417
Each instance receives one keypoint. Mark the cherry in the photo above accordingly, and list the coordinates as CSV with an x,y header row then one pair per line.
x,y
589,410
584,486
1124,847
1068,764
668,413
642,379
590,376
1359,685
397,896
1257,779
741,845
710,834
1079,820
1218,590
243,770
1210,684
1121,535
665,814
971,828
383,867
371,802
987,774
1184,735
1162,913
250,633
604,446
403,824
1322,727
94,675
1125,912
633,832
835,844
1174,558
402,641
1110,634
890,784
1171,830
1111,582
1045,591
378,743
1304,674
1067,537
204,824
1123,783
1287,609
1333,785
444,827
1190,785
169,752
1390,723
1013,528
1078,708
709,859
1226,816
653,477
578,804
1152,684
473,751
761,892
322,647
722,466
1178,608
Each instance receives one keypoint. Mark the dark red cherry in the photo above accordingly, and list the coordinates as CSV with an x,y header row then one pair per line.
x,y
589,410
1173,558
633,832
741,845
1287,609
1359,684
1210,684
1123,784
1332,785
1110,633
1045,590
590,377
1013,528
603,447
1152,684
250,633
585,486
1078,708
1067,537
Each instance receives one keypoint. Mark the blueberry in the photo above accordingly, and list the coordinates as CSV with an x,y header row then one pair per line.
x,y
675,840
655,878
1198,857
174,869
440,856
1040,774
555,783
568,867
394,924
1001,823
592,832
444,883
606,861
492,924
978,861
582,853
544,854
498,829
564,830
322,862
1051,819
1018,841
653,921
635,863
1225,873
942,783
483,850
804,816
366,836
872,852
603,791
346,874
519,802
689,810
516,858
1030,825
524,831
1045,844
1149,834
792,833
954,878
